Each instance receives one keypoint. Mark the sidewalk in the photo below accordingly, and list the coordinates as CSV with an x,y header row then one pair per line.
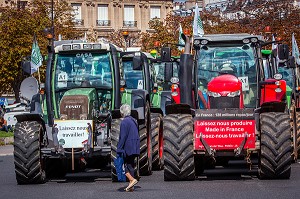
x,y
6,150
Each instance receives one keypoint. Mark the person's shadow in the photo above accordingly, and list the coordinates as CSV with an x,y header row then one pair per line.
x,y
122,189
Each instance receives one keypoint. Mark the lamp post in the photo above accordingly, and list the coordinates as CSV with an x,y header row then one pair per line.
x,y
125,35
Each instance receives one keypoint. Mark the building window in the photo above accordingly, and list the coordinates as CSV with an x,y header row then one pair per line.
x,y
154,12
129,17
103,16
77,13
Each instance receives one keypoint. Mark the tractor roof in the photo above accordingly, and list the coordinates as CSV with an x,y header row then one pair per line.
x,y
78,45
227,37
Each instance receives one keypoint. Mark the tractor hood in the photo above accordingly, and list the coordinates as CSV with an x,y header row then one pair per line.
x,y
224,84
77,103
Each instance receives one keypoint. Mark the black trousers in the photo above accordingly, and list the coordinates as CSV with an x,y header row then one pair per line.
x,y
129,164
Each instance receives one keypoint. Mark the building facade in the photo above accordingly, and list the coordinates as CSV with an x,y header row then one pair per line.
x,y
106,16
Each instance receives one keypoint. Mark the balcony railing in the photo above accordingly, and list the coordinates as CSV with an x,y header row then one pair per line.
x,y
79,22
131,24
103,22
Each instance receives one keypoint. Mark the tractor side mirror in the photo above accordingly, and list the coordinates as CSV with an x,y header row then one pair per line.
x,y
168,74
26,67
291,62
137,63
165,54
283,52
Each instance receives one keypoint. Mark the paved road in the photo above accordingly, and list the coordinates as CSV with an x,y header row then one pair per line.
x,y
98,186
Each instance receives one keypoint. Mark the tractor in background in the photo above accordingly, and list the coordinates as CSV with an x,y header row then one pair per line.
x,y
290,73
226,110
162,69
136,90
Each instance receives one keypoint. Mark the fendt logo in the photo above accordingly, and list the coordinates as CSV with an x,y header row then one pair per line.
x,y
73,106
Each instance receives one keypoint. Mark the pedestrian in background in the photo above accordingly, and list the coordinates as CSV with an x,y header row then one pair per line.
x,y
3,125
129,144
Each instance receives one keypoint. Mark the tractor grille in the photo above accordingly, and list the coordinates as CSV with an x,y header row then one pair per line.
x,y
224,102
74,106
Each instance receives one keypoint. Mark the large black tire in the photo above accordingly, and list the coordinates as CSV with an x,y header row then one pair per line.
x,y
178,147
115,132
27,154
156,132
145,160
297,136
275,147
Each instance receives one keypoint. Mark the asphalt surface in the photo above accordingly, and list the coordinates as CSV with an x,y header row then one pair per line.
x,y
98,185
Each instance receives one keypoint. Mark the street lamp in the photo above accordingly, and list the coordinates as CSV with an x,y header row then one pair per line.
x,y
125,35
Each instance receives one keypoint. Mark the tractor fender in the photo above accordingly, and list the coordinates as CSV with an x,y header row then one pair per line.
x,y
156,110
179,109
116,114
32,117
139,100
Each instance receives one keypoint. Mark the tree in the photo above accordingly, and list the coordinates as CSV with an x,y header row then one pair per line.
x,y
18,24
240,17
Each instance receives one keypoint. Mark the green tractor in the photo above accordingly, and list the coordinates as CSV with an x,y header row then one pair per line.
x,y
162,70
76,124
136,87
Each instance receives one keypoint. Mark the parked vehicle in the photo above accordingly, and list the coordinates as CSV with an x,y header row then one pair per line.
x,y
244,116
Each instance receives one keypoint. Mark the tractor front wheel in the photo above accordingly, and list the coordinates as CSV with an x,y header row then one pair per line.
x,y
27,153
275,147
178,147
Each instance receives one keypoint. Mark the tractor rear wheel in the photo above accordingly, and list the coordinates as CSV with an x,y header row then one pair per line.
x,y
27,153
145,160
156,132
297,136
276,147
178,147
294,127
115,132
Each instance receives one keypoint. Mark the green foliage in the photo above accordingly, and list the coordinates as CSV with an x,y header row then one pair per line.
x,y
17,28
4,134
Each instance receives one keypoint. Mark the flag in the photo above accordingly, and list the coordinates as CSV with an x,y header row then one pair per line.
x,y
295,49
197,25
180,40
274,45
36,56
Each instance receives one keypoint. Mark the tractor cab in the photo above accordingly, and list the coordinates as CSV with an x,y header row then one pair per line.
x,y
227,75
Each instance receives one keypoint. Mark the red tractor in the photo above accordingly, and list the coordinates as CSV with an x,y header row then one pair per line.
x,y
227,110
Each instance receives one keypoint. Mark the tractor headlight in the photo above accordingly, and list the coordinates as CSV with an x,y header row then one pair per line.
x,y
278,90
278,76
234,94
213,94
174,94
174,80
174,86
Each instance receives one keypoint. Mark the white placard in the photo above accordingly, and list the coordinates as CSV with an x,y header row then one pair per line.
x,y
62,80
140,84
245,83
73,133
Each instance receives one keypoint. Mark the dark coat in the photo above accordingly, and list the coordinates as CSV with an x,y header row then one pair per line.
x,y
129,139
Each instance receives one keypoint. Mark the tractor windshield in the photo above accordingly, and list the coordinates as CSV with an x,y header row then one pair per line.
x,y
236,60
83,70
134,78
158,73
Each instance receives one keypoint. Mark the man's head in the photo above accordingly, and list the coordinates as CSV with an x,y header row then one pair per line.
x,y
125,110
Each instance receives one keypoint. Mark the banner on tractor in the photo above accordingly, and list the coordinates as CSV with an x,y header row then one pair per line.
x,y
72,133
224,129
